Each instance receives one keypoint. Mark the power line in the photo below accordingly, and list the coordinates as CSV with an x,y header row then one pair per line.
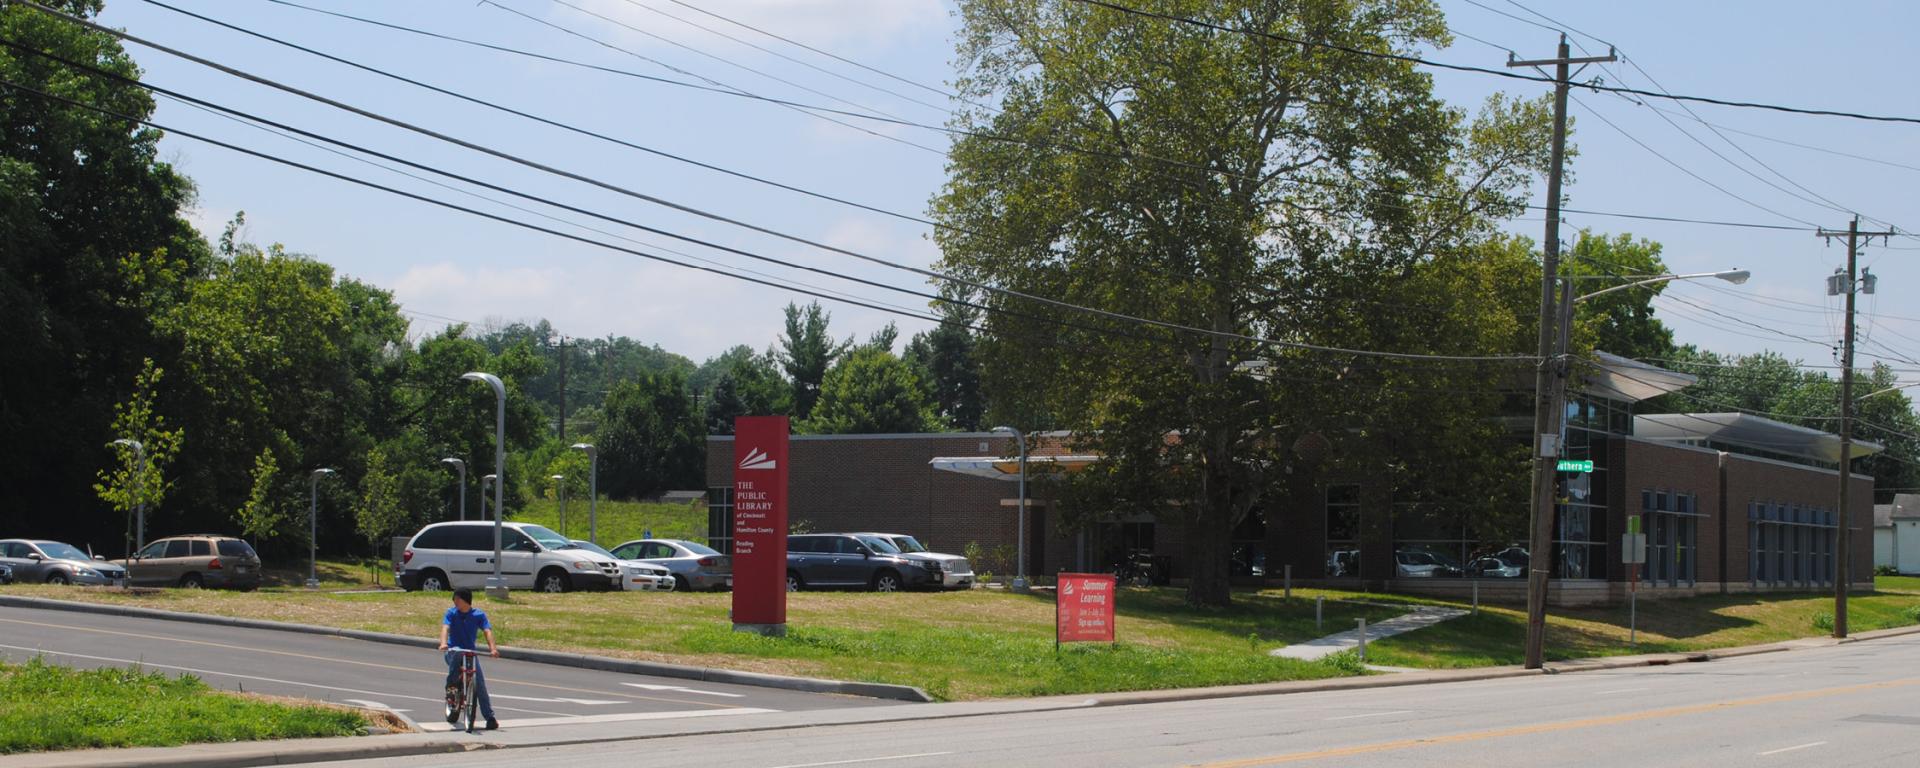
x,y
1684,169
1042,145
827,54
770,52
1485,71
1176,327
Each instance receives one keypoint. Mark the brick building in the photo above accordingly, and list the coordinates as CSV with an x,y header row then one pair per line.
x,y
1729,503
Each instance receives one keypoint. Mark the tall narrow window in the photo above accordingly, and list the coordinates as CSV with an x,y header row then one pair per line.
x,y
1343,531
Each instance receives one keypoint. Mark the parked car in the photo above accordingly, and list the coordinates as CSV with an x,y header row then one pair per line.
x,y
1494,568
953,571
37,561
1420,564
644,577
695,566
460,554
845,560
6,574
194,561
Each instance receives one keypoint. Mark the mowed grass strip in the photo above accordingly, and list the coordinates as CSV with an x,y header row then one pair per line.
x,y
48,707
957,646
1495,637
620,521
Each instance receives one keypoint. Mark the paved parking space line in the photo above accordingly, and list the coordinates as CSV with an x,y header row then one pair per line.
x,y
624,717
1371,714
330,659
863,760
1790,749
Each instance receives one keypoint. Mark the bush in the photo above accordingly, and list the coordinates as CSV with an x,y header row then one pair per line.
x,y
1913,614
1347,662
1885,570
1823,622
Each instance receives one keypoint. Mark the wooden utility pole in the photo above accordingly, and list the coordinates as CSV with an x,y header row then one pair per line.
x,y
1843,543
563,389
1552,366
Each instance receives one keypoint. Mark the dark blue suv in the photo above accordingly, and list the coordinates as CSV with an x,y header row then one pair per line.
x,y
846,560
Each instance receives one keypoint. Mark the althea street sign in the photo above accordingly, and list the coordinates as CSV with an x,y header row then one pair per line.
x,y
1569,465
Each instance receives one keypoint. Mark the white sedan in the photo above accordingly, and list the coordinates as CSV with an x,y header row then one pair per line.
x,y
635,575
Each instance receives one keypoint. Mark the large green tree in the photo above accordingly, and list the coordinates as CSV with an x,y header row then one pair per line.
x,y
946,363
807,350
871,391
652,440
91,239
749,385
1241,186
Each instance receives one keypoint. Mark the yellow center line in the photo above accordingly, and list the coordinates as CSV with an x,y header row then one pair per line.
x,y
1564,725
416,670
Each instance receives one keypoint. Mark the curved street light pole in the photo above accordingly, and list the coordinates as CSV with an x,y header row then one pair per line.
x,y
462,466
593,490
496,584
560,494
313,526
1020,572
139,497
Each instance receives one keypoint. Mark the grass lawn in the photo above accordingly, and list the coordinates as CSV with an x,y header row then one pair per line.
x,y
1495,636
47,707
333,574
959,645
621,521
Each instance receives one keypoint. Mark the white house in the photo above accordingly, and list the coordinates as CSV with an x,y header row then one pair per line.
x,y
1896,534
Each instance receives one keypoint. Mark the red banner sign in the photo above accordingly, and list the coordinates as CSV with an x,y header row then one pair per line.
x,y
760,523
1083,608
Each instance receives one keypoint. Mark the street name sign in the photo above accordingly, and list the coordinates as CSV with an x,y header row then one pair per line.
x,y
1570,465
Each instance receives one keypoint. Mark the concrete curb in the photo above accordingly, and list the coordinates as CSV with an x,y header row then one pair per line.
x,y
559,658
248,753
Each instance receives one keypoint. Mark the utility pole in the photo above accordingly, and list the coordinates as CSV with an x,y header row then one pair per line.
x,y
1843,544
1552,367
563,389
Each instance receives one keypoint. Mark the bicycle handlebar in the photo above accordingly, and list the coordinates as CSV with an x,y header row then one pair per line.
x,y
463,651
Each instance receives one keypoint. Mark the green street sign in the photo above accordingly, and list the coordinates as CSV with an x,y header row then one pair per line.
x,y
1569,465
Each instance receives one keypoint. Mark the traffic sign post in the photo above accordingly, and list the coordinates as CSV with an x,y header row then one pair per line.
x,y
1633,552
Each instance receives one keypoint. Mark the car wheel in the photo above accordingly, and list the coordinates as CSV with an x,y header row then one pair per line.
x,y
433,581
58,578
554,580
191,581
680,584
886,581
793,582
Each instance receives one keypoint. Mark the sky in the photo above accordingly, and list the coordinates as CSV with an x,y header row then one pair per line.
x,y
1655,158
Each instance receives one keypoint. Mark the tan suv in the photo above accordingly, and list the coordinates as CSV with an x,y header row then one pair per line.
x,y
199,560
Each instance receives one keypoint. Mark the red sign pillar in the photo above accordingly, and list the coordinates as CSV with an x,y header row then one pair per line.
x,y
760,524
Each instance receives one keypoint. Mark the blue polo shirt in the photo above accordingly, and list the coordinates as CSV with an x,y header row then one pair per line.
x,y
463,629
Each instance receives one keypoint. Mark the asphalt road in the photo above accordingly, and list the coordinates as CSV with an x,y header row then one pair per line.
x,y
379,675
1853,705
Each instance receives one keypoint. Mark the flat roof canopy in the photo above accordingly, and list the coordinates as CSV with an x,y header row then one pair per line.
x,y
1621,378
1750,431
1002,468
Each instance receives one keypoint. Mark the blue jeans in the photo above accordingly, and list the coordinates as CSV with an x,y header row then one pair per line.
x,y
479,682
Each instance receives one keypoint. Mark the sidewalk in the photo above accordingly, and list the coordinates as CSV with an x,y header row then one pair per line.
x,y
1422,617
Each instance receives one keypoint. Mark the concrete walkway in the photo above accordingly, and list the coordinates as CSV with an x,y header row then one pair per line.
x,y
1421,618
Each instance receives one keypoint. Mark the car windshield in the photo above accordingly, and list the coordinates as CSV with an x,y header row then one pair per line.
x,y
59,551
879,545
594,548
698,549
908,544
546,538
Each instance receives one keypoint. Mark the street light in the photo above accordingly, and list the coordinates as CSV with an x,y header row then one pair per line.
x,y
139,497
1020,573
593,490
313,526
496,584
560,492
1540,540
462,466
1884,391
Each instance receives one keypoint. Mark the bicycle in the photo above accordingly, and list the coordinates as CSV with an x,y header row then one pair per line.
x,y
461,700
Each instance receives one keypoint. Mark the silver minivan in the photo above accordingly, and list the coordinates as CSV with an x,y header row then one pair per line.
x,y
460,554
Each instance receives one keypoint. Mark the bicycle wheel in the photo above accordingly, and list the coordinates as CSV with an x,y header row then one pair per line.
x,y
473,692
456,702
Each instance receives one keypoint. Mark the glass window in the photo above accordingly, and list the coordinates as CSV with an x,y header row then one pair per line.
x,y
155,549
199,548
515,541
630,552
1343,531
235,548
720,518
177,548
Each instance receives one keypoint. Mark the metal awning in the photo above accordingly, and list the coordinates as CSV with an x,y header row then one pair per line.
x,y
1002,468
1621,378
1749,431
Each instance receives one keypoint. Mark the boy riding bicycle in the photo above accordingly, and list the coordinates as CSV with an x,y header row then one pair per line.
x,y
459,628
